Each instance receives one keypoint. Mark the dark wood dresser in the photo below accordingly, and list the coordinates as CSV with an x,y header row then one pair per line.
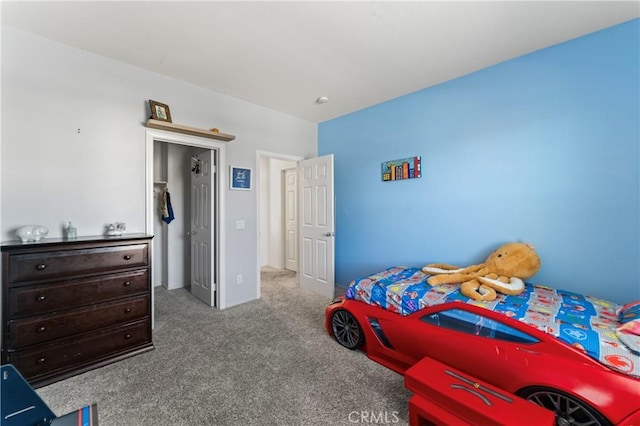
x,y
69,306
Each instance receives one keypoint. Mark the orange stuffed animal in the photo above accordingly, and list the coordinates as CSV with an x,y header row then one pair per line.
x,y
503,271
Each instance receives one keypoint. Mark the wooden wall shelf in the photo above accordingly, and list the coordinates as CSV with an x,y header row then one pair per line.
x,y
193,131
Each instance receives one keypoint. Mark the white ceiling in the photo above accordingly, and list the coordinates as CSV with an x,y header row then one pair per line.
x,y
284,55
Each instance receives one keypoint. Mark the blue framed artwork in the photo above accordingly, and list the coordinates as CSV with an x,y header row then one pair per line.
x,y
239,178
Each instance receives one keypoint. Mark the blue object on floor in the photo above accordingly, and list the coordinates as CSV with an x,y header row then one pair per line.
x,y
20,405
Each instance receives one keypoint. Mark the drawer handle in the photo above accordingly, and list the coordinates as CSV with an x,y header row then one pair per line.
x,y
127,336
127,257
41,329
127,310
41,360
40,298
41,267
127,283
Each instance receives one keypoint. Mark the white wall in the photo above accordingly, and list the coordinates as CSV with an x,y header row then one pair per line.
x,y
276,238
73,140
271,210
178,255
159,244
264,188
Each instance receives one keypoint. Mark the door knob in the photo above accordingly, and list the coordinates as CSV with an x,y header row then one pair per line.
x,y
329,234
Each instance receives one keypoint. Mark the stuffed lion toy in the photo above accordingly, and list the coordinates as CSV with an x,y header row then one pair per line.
x,y
503,271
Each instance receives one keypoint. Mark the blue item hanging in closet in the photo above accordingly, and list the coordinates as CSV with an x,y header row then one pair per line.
x,y
169,216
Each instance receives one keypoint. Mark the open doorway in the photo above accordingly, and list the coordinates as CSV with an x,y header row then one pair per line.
x,y
171,190
187,147
183,245
277,212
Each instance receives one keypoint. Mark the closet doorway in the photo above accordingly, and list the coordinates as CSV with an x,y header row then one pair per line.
x,y
175,160
277,212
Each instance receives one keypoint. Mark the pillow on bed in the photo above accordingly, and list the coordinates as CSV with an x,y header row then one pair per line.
x,y
629,312
629,316
630,339
630,327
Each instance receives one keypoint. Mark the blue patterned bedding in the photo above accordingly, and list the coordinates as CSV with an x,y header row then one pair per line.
x,y
585,322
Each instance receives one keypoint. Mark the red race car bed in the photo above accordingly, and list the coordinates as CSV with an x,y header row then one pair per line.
x,y
556,348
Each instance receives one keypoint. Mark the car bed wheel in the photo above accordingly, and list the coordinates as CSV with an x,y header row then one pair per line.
x,y
569,411
346,330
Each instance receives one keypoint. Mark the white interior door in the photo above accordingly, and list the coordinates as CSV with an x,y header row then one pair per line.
x,y
291,219
202,228
316,241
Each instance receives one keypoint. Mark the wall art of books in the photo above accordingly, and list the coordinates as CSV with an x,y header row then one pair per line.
x,y
406,168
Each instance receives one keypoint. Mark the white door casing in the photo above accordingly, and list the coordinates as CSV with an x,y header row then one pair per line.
x,y
152,135
202,230
290,219
316,242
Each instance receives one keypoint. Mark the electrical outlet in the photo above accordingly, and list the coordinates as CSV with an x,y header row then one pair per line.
x,y
239,279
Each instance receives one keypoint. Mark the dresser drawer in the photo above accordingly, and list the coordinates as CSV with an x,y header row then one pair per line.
x,y
26,268
43,328
82,350
39,299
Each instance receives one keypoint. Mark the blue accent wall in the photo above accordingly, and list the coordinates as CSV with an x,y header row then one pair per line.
x,y
544,148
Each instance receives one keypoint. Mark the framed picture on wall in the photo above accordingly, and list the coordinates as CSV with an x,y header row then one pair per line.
x,y
240,178
160,111
406,168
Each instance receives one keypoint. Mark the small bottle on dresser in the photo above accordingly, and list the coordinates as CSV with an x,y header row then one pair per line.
x,y
72,232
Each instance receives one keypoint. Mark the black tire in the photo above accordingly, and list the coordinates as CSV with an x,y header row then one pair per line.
x,y
346,330
569,410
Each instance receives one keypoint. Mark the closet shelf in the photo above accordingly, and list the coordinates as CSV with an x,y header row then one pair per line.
x,y
193,131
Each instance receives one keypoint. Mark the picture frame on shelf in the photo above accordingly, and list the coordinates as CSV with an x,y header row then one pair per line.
x,y
160,111
240,178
